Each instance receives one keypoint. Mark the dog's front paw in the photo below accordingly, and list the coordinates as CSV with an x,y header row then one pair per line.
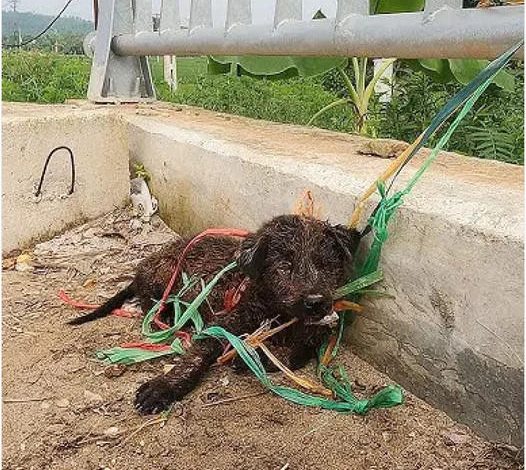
x,y
154,396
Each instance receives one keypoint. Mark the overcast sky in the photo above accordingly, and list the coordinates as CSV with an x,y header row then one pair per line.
x,y
262,10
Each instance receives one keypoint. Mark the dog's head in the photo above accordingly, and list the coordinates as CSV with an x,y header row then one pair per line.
x,y
298,263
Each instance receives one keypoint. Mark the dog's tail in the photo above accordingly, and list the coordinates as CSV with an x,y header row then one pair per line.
x,y
105,309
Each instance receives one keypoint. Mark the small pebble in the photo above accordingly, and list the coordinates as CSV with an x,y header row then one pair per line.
x,y
92,397
455,439
62,403
112,431
55,428
115,370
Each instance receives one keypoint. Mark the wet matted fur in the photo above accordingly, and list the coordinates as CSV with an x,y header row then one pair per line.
x,y
293,265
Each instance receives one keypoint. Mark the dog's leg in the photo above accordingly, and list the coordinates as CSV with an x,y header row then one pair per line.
x,y
159,393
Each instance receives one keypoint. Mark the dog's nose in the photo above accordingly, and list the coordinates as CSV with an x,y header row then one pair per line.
x,y
312,300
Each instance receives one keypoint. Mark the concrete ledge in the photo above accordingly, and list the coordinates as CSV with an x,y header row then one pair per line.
x,y
454,333
30,132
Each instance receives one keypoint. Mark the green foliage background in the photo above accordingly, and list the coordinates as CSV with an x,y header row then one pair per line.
x,y
43,77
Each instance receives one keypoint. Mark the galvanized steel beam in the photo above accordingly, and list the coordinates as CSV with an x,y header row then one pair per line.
x,y
480,33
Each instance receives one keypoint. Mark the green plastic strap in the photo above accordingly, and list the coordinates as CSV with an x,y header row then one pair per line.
x,y
120,355
389,205
359,284
191,312
128,356
346,403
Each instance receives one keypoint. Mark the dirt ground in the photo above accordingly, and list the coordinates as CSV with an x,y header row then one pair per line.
x,y
62,409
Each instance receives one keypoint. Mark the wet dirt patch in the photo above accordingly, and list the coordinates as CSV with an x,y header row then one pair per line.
x,y
62,409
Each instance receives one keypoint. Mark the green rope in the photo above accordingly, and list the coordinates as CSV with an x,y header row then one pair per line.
x,y
119,355
129,356
346,401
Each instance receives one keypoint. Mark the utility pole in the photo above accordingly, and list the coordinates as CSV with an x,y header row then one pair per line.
x,y
14,5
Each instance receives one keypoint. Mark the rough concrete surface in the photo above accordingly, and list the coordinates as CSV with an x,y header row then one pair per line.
x,y
30,132
453,334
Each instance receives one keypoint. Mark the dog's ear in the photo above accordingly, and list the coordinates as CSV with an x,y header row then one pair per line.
x,y
347,240
251,255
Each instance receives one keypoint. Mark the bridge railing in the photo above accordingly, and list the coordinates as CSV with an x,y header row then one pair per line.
x,y
444,29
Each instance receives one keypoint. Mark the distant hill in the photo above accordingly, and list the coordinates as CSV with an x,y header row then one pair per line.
x,y
32,23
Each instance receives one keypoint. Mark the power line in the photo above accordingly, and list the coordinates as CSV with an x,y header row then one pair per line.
x,y
44,31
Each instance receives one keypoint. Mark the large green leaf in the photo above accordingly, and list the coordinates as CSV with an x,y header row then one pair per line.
x,y
437,69
396,6
464,70
275,66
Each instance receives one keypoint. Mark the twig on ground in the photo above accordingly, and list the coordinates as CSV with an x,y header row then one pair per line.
x,y
25,400
161,419
255,339
301,381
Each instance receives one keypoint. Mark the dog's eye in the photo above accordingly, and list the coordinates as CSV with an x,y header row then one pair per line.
x,y
284,267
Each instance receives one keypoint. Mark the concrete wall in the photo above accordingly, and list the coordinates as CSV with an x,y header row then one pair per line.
x,y
454,333
30,132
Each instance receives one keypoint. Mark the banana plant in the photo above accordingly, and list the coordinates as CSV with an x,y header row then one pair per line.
x,y
360,92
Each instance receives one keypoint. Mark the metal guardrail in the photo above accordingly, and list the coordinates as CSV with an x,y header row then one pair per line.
x,y
444,29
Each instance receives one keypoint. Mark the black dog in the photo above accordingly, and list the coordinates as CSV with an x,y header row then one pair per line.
x,y
291,266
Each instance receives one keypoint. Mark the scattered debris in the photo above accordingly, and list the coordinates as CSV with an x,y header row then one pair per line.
x,y
144,204
24,263
92,397
383,148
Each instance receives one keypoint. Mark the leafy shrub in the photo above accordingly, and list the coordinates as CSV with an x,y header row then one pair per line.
x,y
44,77
493,129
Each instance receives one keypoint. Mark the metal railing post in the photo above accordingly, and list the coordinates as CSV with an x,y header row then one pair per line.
x,y
117,78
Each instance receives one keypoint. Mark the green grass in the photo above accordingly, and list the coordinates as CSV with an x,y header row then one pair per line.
x,y
189,69
43,77
290,101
